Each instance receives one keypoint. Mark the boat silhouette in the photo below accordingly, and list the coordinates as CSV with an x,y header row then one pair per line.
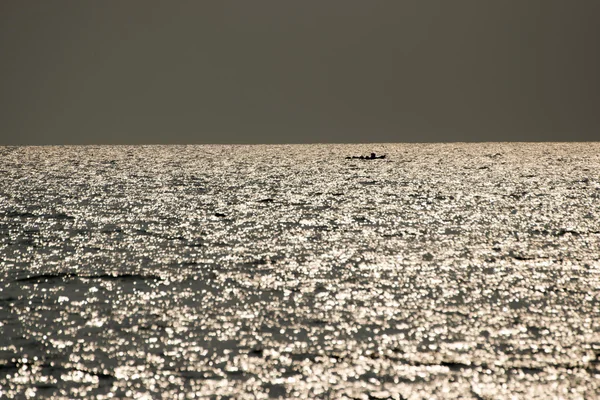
x,y
373,156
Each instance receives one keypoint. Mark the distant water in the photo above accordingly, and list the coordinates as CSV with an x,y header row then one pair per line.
x,y
443,271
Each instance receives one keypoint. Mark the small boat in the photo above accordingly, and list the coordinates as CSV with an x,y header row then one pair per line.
x,y
373,156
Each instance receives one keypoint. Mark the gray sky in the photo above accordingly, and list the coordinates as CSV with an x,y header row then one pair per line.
x,y
125,71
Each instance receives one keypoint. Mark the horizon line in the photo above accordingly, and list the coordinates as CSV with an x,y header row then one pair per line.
x,y
292,143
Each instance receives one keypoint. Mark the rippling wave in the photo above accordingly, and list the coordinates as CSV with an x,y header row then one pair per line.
x,y
441,271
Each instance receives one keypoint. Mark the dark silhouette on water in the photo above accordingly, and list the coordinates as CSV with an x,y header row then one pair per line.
x,y
373,156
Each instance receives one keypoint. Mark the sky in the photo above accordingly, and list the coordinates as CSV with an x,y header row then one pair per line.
x,y
315,71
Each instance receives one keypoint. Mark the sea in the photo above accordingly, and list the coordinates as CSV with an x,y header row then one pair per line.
x,y
442,271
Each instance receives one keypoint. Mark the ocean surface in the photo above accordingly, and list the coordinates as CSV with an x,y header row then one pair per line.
x,y
181,272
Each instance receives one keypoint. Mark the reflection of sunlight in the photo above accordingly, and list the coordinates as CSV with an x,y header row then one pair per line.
x,y
249,272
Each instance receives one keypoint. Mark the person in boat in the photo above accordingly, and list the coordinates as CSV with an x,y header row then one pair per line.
x,y
373,156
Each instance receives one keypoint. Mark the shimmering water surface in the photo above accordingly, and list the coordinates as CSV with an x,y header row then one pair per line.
x,y
443,271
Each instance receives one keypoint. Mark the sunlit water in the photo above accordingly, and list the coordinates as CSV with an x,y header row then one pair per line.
x,y
443,271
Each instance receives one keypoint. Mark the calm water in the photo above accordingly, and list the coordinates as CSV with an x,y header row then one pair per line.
x,y
443,271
